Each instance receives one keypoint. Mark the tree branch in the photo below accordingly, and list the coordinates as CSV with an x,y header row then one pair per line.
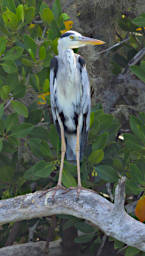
x,y
110,218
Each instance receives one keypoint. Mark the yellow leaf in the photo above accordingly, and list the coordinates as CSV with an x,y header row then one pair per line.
x,y
139,29
42,98
68,24
140,209
62,31
31,26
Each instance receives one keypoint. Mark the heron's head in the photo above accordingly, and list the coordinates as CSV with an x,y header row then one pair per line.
x,y
72,39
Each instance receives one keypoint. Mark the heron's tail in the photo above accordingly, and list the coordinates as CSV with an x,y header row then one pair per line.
x,y
71,147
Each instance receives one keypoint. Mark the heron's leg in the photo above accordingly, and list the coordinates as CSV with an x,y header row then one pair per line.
x,y
63,150
78,156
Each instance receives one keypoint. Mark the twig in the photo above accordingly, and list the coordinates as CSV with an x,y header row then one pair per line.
x,y
122,249
44,31
108,187
37,21
120,195
113,46
32,230
134,60
102,245
8,103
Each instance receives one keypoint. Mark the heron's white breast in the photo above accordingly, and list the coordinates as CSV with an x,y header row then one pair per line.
x,y
68,89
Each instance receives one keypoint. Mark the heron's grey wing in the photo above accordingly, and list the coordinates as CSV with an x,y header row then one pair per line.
x,y
85,104
53,84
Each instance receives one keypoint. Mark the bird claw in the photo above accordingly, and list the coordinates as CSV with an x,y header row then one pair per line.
x,y
57,187
55,190
79,188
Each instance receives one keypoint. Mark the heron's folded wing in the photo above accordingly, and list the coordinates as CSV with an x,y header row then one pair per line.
x,y
53,75
86,99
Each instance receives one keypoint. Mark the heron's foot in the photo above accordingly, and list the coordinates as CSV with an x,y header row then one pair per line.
x,y
68,189
55,189
79,188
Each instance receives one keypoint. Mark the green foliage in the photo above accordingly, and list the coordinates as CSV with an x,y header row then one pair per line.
x,y
134,29
139,71
140,20
130,251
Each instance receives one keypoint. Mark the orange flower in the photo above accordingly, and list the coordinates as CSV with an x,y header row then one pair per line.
x,y
140,209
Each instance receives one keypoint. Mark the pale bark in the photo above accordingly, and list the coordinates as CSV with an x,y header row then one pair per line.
x,y
111,218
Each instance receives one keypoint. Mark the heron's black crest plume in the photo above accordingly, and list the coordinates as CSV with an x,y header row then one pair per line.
x,y
66,34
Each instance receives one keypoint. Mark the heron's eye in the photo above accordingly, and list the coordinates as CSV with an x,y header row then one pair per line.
x,y
71,37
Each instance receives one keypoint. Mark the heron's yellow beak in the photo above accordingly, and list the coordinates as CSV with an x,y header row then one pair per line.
x,y
92,41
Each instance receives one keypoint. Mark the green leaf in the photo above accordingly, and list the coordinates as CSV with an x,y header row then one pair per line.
x,y
70,223
20,12
10,19
118,244
9,67
14,53
56,8
107,173
4,92
140,20
29,43
22,130
68,180
10,4
1,110
131,251
11,121
20,108
53,136
35,116
40,132
47,15
27,62
96,156
6,174
29,14
1,144
100,141
3,42
34,79
10,145
40,148
84,227
41,169
136,128
133,187
42,53
139,71
43,6
136,174
84,238
127,25
65,16
46,85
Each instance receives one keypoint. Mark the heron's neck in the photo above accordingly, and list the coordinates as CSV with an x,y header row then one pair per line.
x,y
63,51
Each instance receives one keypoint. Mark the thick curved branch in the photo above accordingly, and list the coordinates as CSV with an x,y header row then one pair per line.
x,y
110,218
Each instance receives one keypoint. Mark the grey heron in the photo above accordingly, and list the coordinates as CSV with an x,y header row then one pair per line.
x,y
70,98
